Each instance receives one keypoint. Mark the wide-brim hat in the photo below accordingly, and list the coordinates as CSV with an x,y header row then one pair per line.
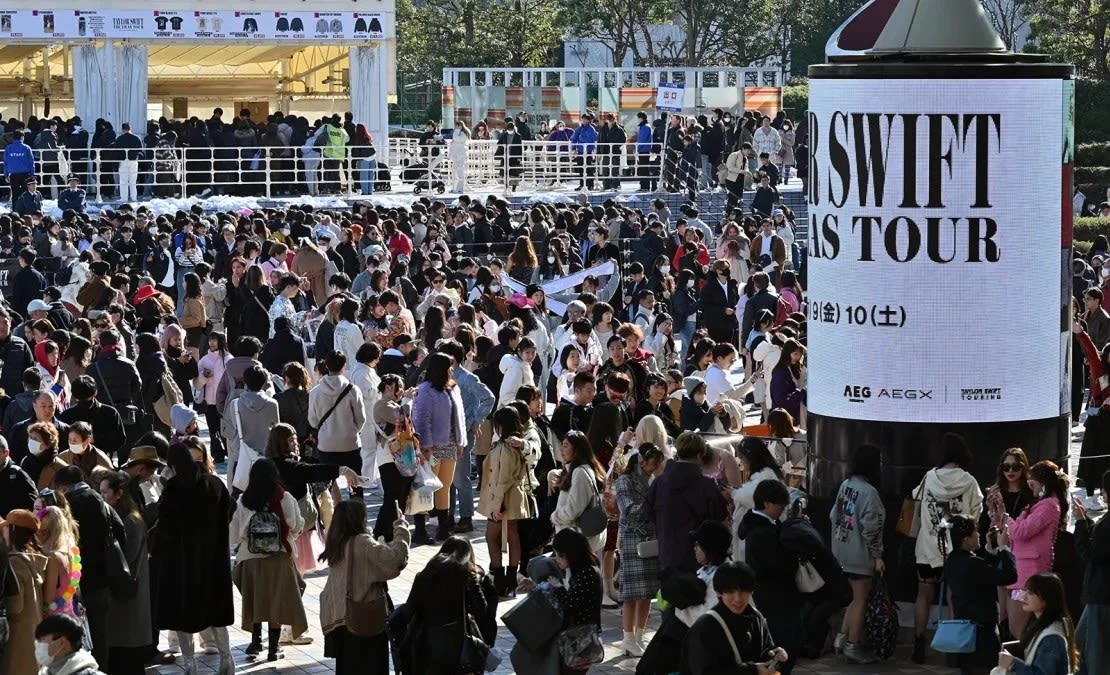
x,y
21,518
143,454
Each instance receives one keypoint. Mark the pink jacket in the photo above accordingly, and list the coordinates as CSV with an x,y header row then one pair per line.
x,y
1032,536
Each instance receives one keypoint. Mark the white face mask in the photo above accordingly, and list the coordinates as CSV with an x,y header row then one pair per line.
x,y
77,448
495,288
1104,272
690,283
33,446
664,269
550,259
285,231
437,265
42,654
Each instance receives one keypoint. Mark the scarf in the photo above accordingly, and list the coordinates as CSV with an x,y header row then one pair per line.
x,y
42,359
275,506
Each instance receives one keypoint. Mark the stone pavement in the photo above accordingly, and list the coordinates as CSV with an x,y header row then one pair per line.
x,y
310,658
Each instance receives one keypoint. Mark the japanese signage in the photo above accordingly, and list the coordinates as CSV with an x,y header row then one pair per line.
x,y
190,25
936,257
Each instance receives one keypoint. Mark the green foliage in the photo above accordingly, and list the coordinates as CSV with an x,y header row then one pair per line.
x,y
1072,31
1092,154
1086,229
795,98
1092,114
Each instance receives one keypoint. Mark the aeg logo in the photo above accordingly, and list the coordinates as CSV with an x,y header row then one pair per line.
x,y
858,394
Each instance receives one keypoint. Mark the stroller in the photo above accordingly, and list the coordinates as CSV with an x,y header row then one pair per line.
x,y
423,177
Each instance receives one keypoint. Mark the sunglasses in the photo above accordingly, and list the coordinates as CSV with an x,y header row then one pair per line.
x,y
1012,467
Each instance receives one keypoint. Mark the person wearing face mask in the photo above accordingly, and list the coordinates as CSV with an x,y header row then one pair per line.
x,y
82,453
26,571
785,156
58,650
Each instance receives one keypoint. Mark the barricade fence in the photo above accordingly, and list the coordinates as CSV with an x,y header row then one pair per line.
x,y
276,171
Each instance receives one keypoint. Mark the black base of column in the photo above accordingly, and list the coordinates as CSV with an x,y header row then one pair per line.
x,y
909,450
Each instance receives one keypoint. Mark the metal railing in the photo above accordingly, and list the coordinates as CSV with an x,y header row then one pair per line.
x,y
548,165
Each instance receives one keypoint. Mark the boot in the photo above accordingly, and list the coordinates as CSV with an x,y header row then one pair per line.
x,y
223,646
857,654
918,649
443,526
629,646
638,634
498,579
275,652
838,643
255,647
464,525
420,530
188,660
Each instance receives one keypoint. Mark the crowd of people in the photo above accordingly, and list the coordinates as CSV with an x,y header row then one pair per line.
x,y
289,155
331,351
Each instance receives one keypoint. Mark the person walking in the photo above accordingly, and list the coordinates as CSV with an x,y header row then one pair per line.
x,y
359,567
191,560
129,634
265,529
337,412
857,519
439,420
639,571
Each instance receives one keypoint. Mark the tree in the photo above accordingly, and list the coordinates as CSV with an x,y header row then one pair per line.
x,y
1008,17
617,24
1072,31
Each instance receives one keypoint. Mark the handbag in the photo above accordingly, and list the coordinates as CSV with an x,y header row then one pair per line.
x,y
474,653
404,447
364,618
880,623
807,578
534,621
309,513
909,519
953,636
420,501
247,455
593,520
647,549
580,647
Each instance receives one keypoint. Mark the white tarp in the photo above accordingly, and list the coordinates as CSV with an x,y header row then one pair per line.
x,y
369,72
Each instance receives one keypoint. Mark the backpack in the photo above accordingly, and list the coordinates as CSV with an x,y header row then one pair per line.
x,y
264,532
171,395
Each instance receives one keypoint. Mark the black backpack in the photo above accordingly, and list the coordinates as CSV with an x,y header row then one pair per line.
x,y
264,532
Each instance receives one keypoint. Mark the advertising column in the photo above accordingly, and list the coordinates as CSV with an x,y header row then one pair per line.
x,y
939,263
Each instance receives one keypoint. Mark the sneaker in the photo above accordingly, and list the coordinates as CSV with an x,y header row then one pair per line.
x,y
838,643
856,654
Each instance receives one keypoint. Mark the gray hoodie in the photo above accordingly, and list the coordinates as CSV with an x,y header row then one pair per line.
x,y
340,432
857,519
258,413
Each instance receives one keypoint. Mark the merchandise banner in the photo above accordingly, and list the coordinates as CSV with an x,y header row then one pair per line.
x,y
178,25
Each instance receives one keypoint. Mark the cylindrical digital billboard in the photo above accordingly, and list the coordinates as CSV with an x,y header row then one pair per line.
x,y
939,259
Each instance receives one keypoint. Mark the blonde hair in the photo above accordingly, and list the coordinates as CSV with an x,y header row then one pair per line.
x,y
651,430
57,530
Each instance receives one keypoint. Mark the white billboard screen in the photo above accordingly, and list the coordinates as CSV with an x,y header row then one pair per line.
x,y
937,249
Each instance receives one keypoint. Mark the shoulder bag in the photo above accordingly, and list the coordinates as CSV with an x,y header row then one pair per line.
x,y
474,654
364,618
909,519
593,520
247,455
310,440
953,636
807,578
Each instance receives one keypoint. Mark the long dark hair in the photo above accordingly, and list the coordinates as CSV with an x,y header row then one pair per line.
x,y
574,546
605,429
646,452
506,422
759,456
181,461
583,456
1048,587
264,481
192,286
438,373
435,326
867,463
348,520
1000,477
